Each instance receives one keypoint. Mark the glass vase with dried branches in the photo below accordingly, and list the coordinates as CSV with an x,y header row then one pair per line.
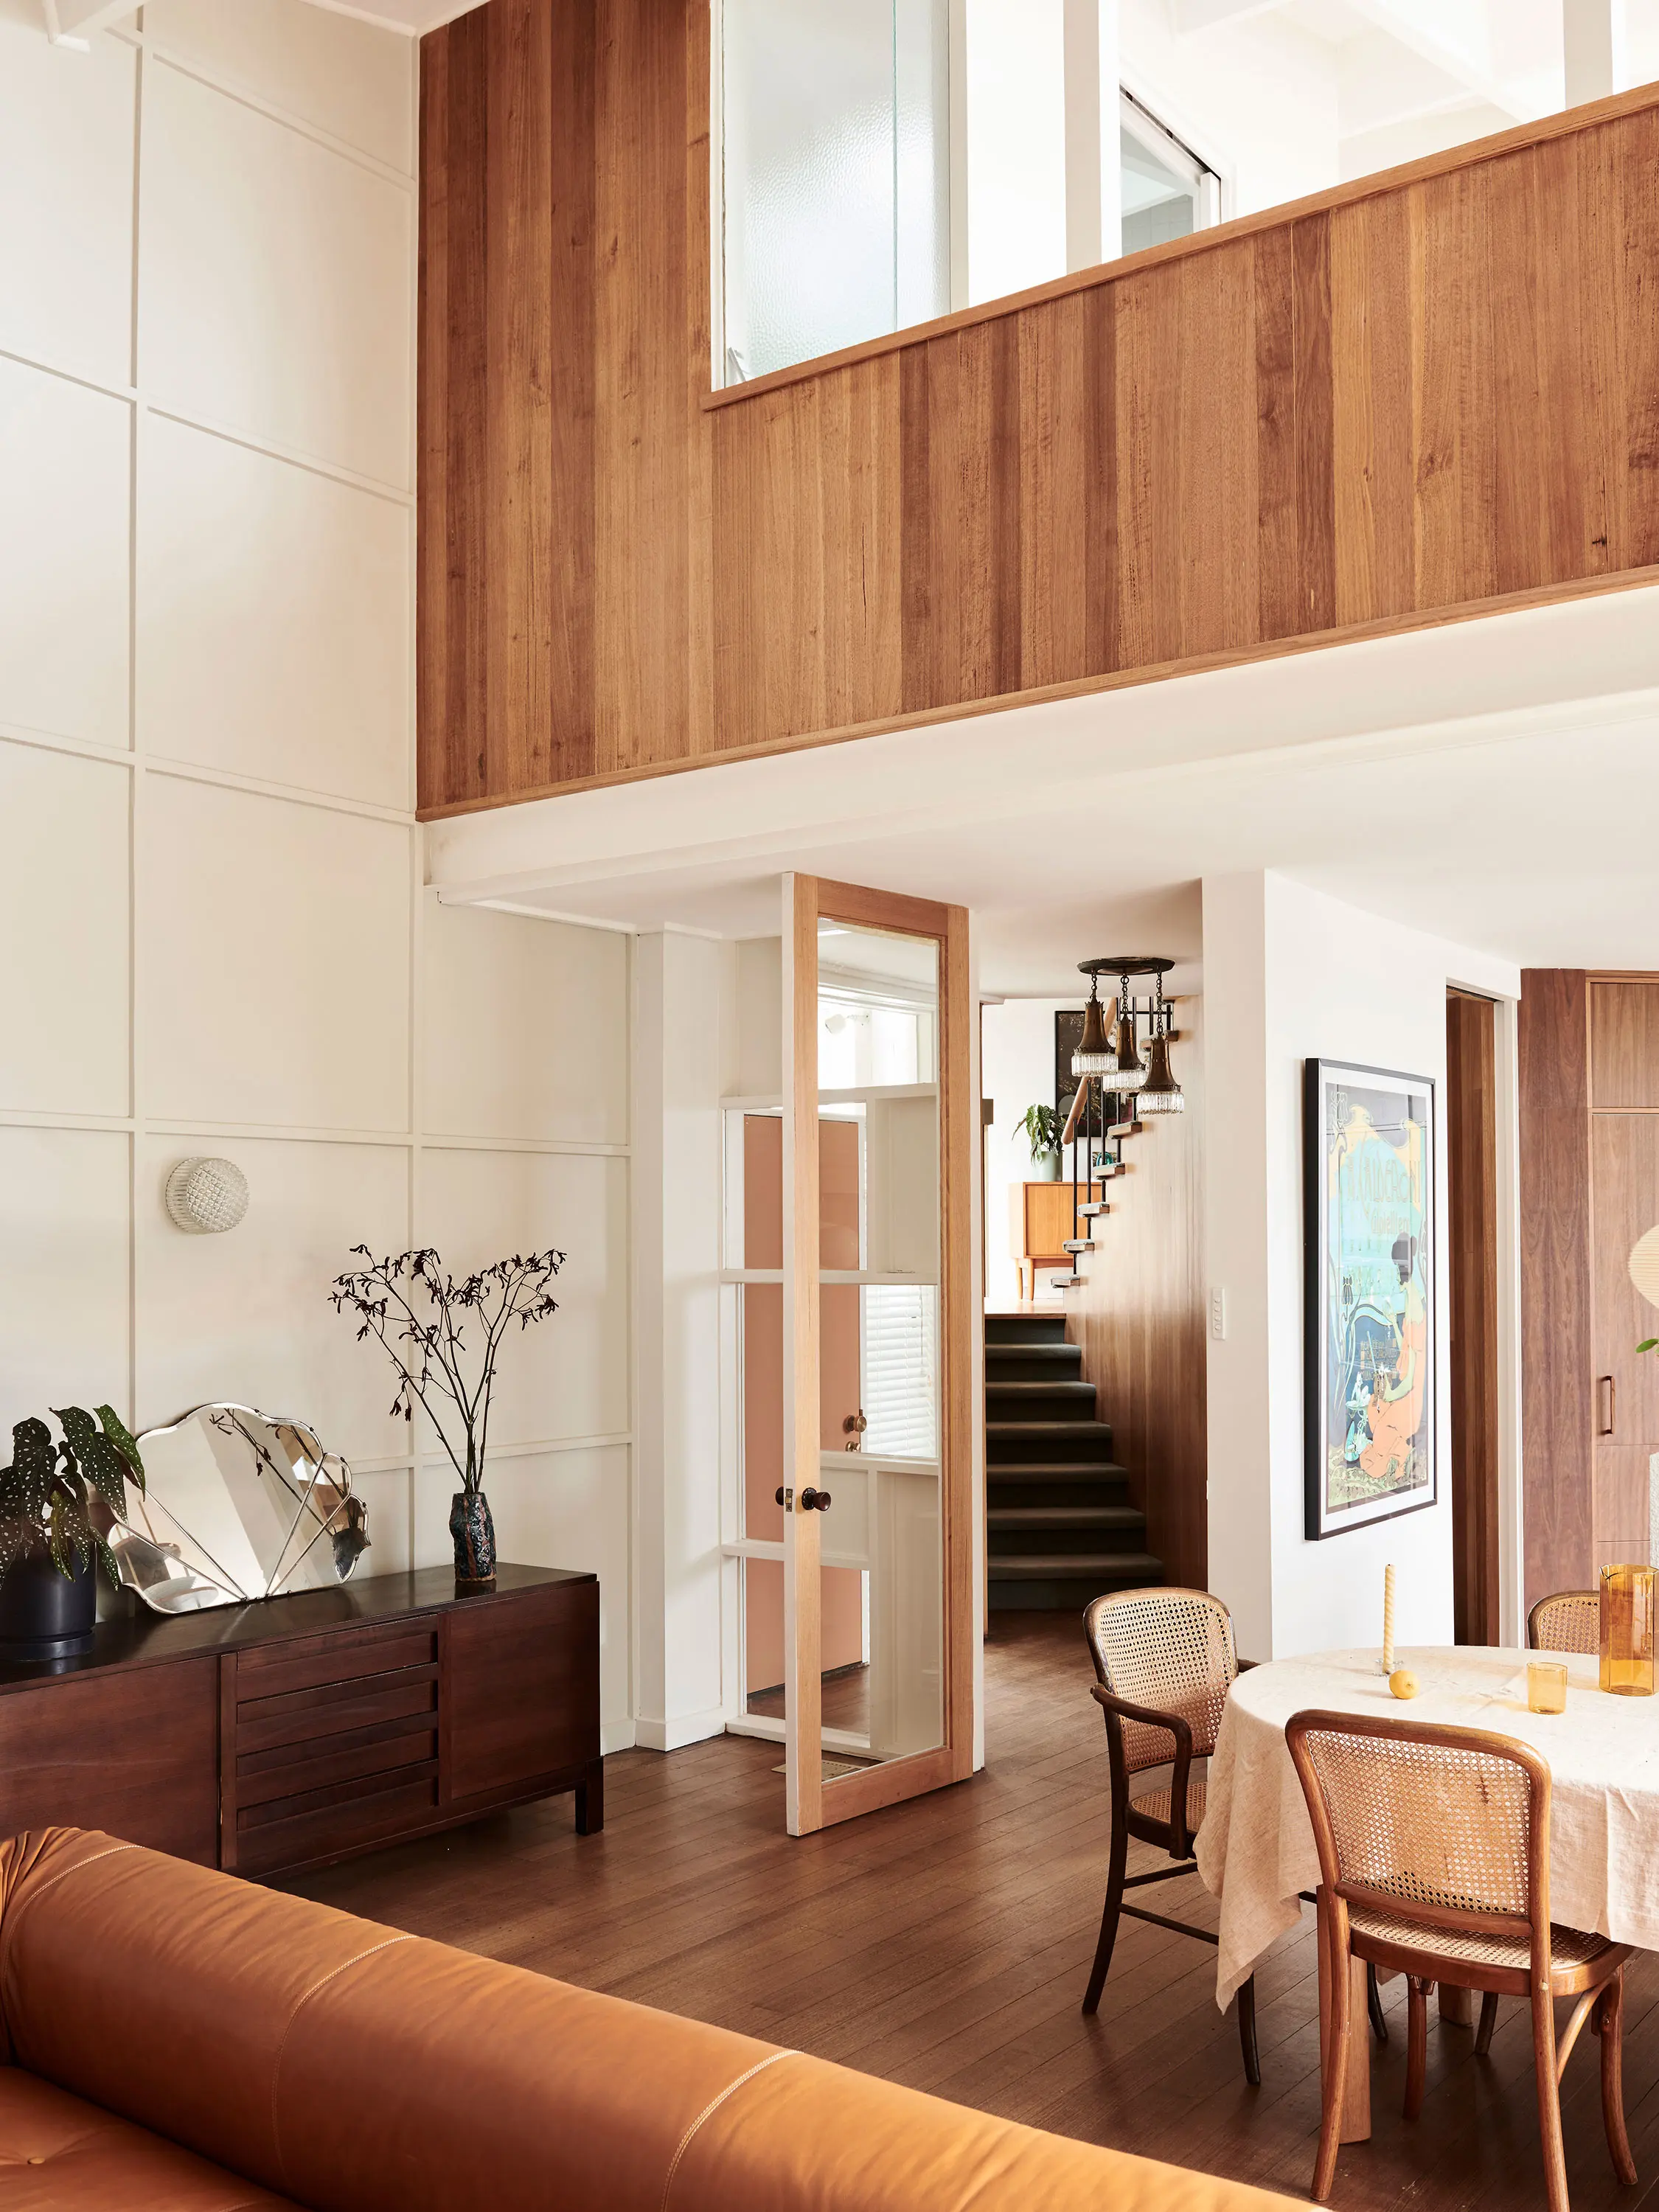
x,y
444,1336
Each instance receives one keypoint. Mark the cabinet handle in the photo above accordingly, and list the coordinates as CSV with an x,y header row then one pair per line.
x,y
1604,1420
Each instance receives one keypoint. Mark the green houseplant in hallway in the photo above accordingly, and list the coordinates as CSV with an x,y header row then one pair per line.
x,y
1040,1127
52,1499
445,1337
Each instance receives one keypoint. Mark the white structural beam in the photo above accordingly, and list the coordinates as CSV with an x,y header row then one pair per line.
x,y
72,23
1594,48
1094,200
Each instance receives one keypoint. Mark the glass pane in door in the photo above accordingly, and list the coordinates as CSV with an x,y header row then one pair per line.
x,y
882,1556
755,1243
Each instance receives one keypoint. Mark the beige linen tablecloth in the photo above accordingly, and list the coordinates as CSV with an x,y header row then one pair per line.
x,y
1255,1849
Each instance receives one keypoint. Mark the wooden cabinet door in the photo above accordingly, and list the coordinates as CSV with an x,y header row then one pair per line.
x,y
521,1690
1625,1045
1048,1213
1624,1207
134,1754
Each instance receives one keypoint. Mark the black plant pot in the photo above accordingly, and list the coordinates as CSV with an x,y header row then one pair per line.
x,y
474,1532
43,1614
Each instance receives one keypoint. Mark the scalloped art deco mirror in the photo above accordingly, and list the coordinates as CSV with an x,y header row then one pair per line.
x,y
237,1504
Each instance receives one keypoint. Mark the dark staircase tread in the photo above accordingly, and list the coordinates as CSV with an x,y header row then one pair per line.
x,y
1056,1470
1022,1390
1060,1433
1061,1354
1065,1517
1073,1566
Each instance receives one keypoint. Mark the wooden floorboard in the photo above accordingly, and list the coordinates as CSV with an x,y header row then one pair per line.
x,y
945,1944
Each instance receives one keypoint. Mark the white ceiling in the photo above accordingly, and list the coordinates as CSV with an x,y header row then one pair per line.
x,y
1495,782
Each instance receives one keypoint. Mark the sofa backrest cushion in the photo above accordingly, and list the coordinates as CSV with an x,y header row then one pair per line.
x,y
357,2069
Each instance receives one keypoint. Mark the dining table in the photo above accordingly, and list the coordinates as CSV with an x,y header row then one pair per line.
x,y
1256,1847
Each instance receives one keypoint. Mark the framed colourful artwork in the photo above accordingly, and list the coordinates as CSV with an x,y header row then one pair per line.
x,y
1369,1224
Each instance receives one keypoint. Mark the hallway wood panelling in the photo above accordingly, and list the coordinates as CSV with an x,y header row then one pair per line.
x,y
1557,1392
1590,1189
1414,396
1471,1241
563,338
1139,1319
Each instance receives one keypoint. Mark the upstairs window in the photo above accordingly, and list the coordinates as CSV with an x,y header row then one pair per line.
x,y
1167,193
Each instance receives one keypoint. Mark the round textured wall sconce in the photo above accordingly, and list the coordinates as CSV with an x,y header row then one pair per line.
x,y
206,1197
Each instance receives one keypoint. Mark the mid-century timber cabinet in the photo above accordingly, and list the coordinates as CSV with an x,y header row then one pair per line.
x,y
301,1730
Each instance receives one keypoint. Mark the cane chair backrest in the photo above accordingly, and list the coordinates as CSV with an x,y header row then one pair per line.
x,y
1567,1620
1439,1823
1169,1649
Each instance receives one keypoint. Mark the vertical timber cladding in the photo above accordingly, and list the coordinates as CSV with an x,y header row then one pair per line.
x,y
1415,396
563,337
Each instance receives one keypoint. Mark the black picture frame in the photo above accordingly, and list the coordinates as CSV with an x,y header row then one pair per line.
x,y
1371,1299
1068,1035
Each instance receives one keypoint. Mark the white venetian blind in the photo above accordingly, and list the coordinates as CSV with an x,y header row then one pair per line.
x,y
901,1370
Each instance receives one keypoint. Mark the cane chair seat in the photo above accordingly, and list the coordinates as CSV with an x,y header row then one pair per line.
x,y
1472,1946
1156,1807
1567,1620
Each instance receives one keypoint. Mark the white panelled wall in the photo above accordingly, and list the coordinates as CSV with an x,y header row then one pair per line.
x,y
210,898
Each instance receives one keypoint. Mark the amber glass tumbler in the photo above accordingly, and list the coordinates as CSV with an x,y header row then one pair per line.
x,y
1628,1631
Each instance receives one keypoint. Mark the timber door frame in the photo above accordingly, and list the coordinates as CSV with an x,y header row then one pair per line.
x,y
812,1804
1471,1216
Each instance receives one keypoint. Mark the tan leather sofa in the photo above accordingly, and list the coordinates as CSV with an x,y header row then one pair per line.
x,y
178,2038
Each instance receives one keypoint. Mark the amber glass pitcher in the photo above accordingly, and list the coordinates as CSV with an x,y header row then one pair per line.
x,y
1628,1631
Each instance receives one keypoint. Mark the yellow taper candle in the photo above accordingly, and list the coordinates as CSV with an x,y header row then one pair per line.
x,y
1388,1619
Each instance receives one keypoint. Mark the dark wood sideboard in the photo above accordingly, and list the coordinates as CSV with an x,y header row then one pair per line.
x,y
265,1738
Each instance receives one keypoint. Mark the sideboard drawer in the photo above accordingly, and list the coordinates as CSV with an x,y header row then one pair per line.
x,y
308,1663
330,1743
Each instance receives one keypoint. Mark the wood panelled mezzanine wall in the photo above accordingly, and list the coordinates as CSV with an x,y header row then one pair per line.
x,y
1416,397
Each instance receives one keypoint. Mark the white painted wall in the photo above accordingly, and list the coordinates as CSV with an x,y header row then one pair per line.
x,y
678,1167
1290,973
210,891
1017,1052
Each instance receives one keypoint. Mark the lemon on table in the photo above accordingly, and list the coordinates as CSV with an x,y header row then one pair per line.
x,y
1404,1683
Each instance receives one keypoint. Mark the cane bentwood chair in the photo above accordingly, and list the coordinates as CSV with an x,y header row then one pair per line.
x,y
1434,1860
1165,1660
1567,1620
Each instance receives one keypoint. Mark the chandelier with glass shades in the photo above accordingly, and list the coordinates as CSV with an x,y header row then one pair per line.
x,y
1110,1050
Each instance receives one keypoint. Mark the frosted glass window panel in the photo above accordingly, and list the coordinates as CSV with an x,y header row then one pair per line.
x,y
836,188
